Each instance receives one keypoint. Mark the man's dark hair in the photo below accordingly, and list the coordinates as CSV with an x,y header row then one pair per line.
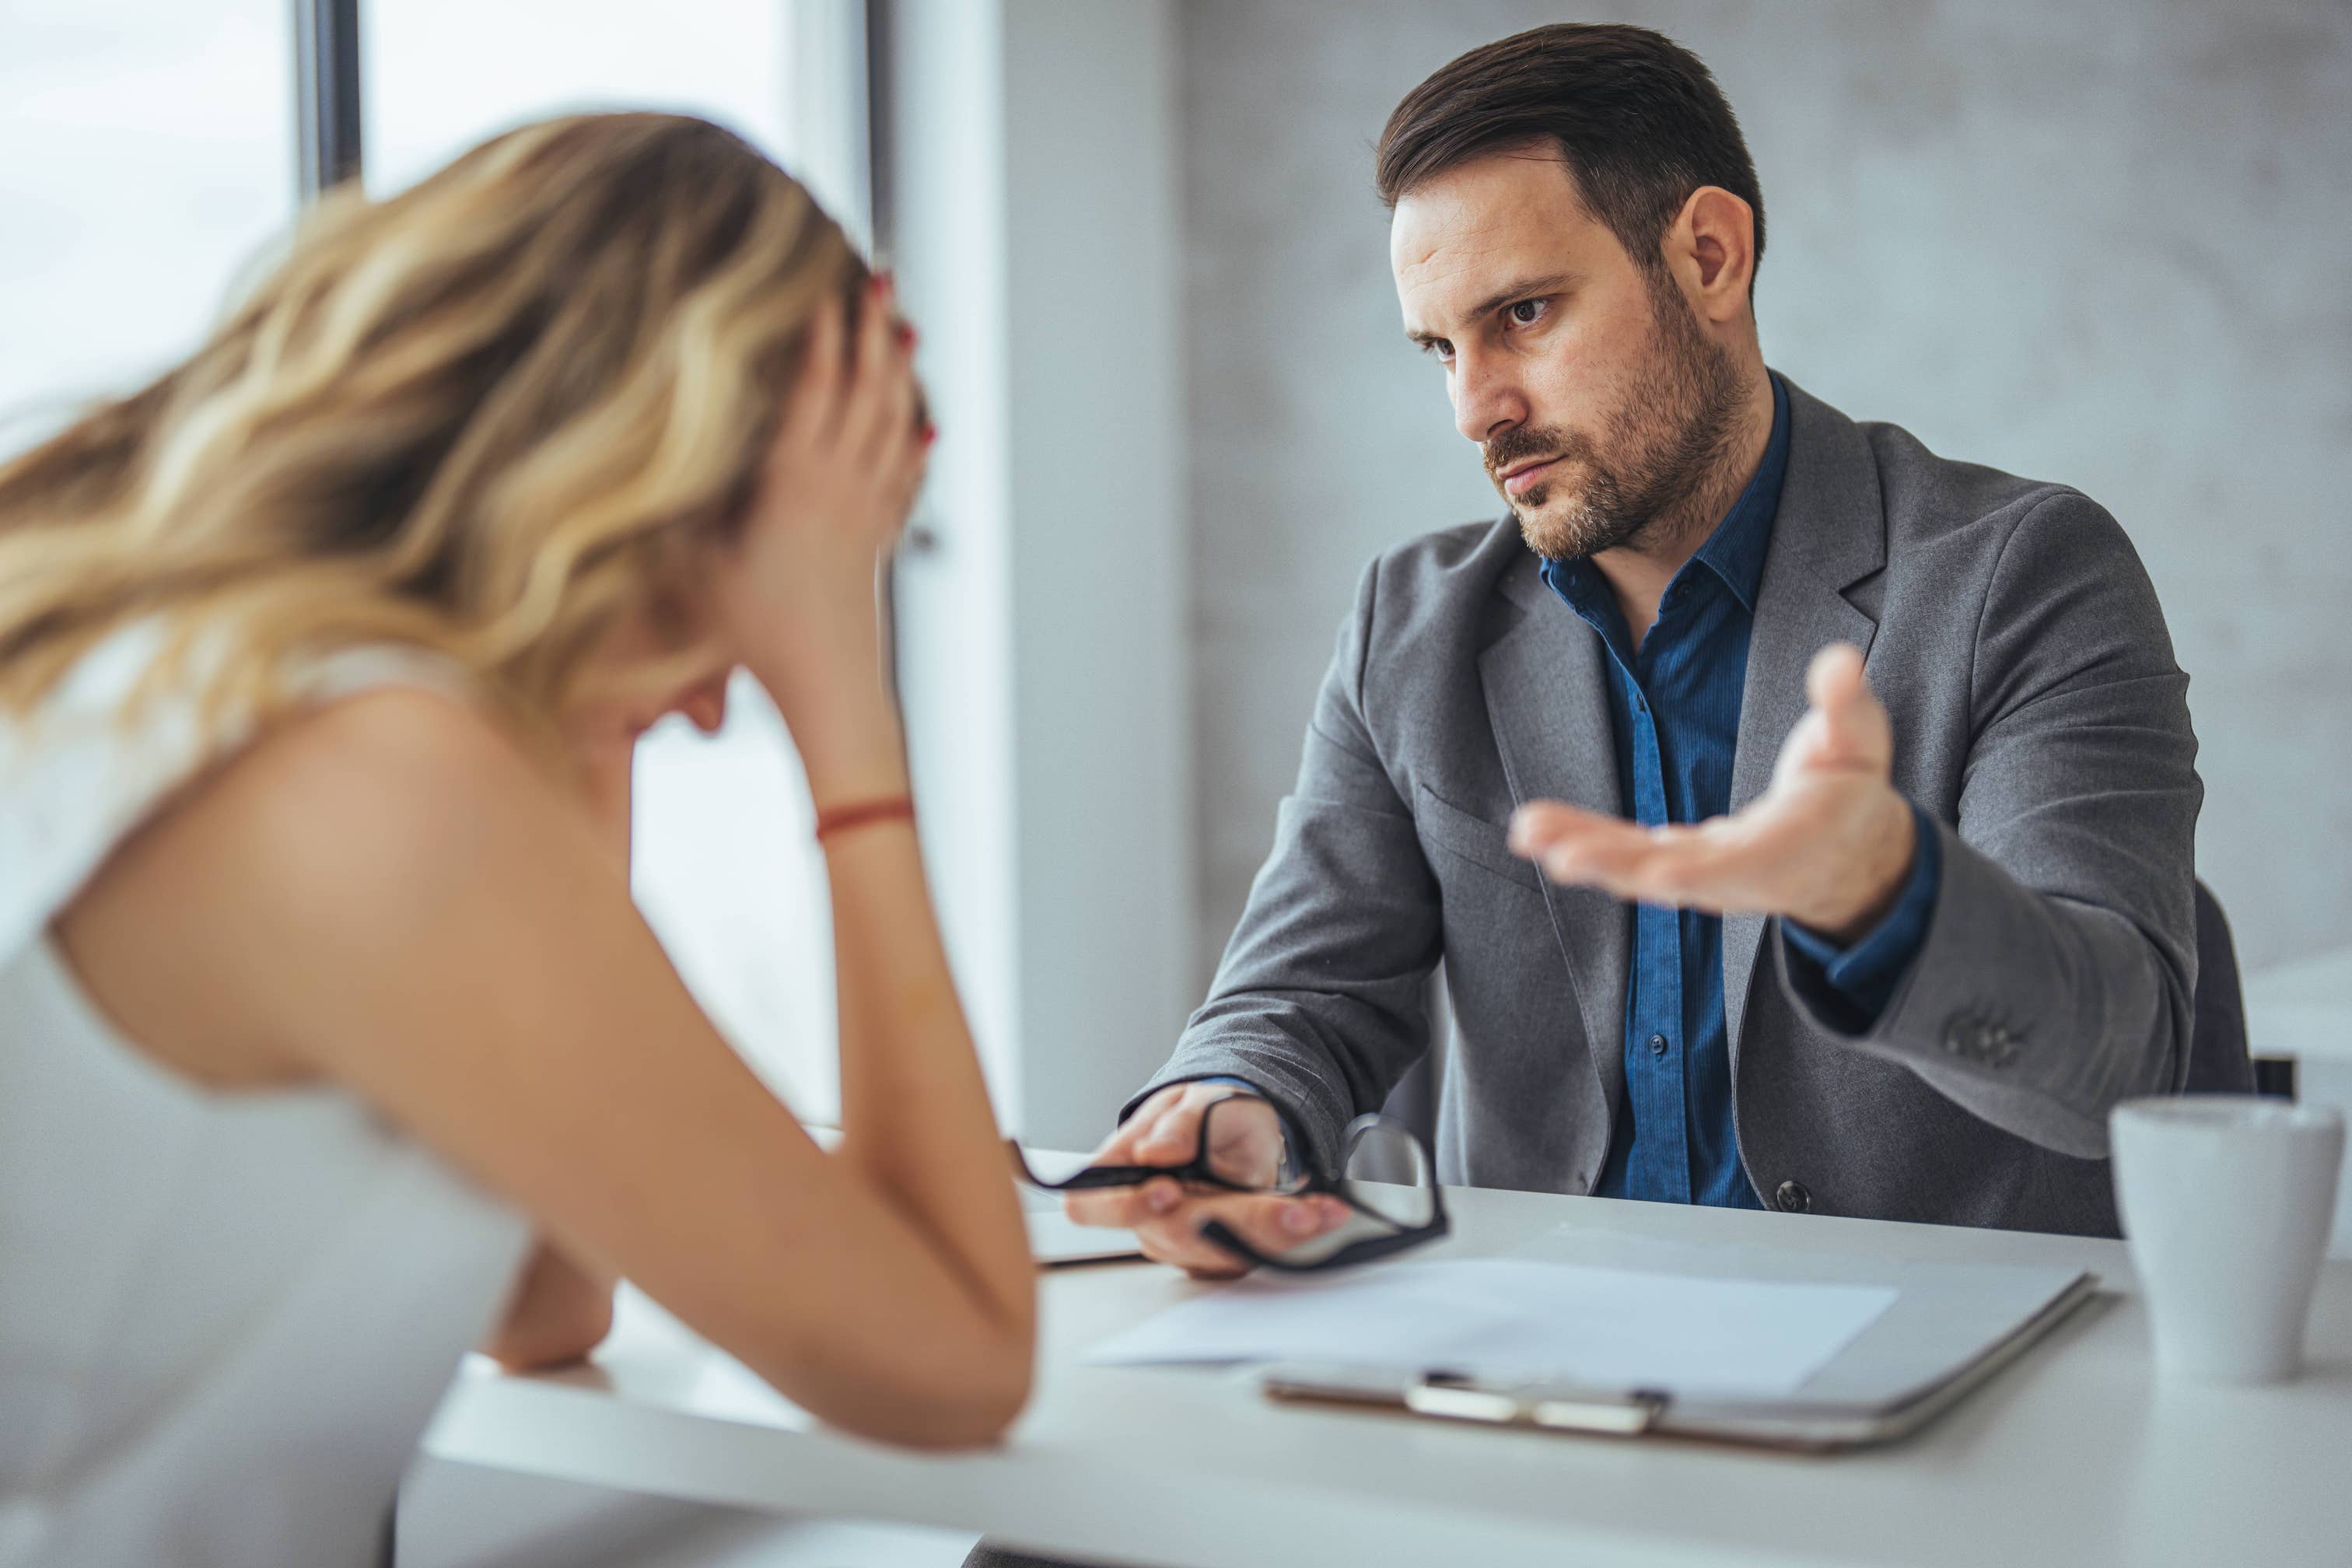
x,y
1637,117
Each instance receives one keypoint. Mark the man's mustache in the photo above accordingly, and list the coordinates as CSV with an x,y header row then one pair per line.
x,y
1513,447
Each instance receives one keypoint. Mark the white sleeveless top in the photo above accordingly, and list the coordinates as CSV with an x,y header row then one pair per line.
x,y
225,1318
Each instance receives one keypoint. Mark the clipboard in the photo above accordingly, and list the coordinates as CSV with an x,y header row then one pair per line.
x,y
1896,1379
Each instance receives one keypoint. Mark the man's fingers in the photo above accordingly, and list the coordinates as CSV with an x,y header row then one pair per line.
x,y
1833,677
1269,1225
1118,1149
1124,1208
1855,726
1707,866
1539,824
1167,1221
1169,1129
1576,845
1175,1133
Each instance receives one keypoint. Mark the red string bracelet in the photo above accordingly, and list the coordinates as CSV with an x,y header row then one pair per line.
x,y
863,813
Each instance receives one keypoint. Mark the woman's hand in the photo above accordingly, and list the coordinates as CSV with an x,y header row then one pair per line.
x,y
797,594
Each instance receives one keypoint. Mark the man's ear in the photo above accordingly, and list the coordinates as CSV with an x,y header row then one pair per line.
x,y
1710,247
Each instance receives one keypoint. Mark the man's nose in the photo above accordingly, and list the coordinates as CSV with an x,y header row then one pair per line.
x,y
1487,399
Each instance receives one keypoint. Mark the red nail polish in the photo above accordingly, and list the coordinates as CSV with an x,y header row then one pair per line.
x,y
905,336
931,434
879,283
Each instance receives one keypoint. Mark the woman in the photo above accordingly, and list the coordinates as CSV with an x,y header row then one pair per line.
x,y
329,1038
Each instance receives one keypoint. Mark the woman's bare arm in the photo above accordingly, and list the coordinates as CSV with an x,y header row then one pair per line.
x,y
560,1309
385,893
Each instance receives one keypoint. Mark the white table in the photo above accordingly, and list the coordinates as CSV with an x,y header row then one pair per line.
x,y
2074,1456
2304,1010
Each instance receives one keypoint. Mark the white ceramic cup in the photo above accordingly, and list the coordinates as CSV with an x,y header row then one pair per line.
x,y
2227,1200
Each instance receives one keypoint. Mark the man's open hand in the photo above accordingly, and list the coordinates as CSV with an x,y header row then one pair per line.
x,y
1828,845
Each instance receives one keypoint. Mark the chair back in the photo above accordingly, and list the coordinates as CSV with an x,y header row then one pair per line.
x,y
2218,1059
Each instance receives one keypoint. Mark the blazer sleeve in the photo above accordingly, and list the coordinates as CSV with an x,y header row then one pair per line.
x,y
2058,971
1321,1001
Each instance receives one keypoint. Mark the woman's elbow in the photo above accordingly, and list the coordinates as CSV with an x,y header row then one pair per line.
x,y
967,1405
552,1335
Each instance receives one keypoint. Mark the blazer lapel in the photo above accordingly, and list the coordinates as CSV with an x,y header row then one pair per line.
x,y
1829,535
1545,699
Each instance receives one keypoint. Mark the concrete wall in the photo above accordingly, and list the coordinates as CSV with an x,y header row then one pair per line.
x,y
2098,243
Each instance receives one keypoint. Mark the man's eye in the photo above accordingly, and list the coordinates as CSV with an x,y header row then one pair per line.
x,y
1527,312
1439,350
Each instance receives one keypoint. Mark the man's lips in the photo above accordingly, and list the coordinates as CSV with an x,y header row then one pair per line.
x,y
1516,479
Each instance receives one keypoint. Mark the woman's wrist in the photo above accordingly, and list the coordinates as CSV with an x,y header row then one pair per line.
x,y
847,763
843,722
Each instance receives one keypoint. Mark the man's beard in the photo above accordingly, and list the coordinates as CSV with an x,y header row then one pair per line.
x,y
1666,446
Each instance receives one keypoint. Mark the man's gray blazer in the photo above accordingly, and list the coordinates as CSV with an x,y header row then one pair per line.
x,y
2039,717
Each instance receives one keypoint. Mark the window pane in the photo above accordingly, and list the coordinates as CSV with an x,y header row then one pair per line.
x,y
146,159
441,75
727,870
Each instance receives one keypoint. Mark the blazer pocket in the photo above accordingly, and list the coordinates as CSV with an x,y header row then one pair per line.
x,y
1486,845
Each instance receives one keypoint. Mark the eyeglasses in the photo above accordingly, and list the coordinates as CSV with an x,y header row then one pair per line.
x,y
1386,1179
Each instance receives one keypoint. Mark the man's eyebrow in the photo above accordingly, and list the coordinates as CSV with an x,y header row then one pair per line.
x,y
1521,289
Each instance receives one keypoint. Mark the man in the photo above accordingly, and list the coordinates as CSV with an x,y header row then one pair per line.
x,y
1905,902
1885,945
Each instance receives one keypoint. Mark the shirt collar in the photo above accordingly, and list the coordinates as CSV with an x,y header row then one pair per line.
x,y
1734,551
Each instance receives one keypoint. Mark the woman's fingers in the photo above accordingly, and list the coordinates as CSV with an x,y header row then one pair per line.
x,y
879,359
812,406
896,441
876,436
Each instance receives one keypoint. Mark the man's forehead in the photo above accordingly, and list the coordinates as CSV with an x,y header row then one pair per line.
x,y
1453,235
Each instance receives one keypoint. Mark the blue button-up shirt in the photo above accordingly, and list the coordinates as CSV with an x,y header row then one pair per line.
x,y
1674,707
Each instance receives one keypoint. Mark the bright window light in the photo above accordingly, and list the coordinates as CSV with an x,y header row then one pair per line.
x,y
727,870
146,158
441,75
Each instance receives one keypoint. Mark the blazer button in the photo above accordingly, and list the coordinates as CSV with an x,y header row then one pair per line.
x,y
1792,1198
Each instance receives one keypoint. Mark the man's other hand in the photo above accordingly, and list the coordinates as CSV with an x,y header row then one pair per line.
x,y
1828,845
1166,1216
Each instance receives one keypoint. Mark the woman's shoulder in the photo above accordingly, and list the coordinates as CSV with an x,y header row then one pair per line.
x,y
393,782
380,766
300,870
126,739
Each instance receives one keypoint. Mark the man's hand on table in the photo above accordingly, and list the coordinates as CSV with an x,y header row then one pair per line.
x,y
1166,1216
1827,845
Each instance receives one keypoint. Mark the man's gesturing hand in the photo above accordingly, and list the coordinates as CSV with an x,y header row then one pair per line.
x,y
1166,1216
1828,845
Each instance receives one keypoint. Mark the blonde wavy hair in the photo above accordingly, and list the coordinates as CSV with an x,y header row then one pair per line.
x,y
486,417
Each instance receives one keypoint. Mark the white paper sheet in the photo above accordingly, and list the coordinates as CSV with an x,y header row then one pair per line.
x,y
1510,1319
